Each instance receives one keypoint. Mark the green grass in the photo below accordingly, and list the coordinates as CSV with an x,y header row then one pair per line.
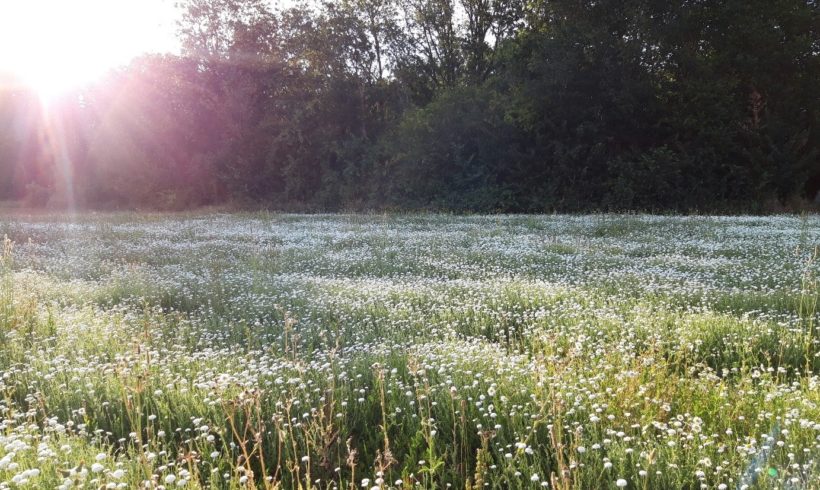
x,y
355,351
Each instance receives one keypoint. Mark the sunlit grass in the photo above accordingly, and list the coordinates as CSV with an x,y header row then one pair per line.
x,y
409,352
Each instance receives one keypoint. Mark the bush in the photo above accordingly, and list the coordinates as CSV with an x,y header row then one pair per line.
x,y
36,195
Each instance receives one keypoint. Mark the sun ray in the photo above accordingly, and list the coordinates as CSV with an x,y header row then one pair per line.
x,y
64,167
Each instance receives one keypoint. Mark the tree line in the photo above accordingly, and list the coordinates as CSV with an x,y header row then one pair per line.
x,y
462,105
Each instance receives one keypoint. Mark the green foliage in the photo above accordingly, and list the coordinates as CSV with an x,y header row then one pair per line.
x,y
463,105
452,154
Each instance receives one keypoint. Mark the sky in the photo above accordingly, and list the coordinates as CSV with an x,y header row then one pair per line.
x,y
54,44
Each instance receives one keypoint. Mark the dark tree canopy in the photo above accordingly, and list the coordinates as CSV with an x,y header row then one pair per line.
x,y
463,105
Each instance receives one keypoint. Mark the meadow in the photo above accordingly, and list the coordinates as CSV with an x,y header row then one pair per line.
x,y
411,351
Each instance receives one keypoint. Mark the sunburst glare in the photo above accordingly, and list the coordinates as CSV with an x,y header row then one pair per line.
x,y
53,45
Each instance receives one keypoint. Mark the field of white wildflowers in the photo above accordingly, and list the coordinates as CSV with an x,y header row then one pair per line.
x,y
403,352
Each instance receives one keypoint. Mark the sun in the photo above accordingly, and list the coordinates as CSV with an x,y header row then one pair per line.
x,y
53,46
52,73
